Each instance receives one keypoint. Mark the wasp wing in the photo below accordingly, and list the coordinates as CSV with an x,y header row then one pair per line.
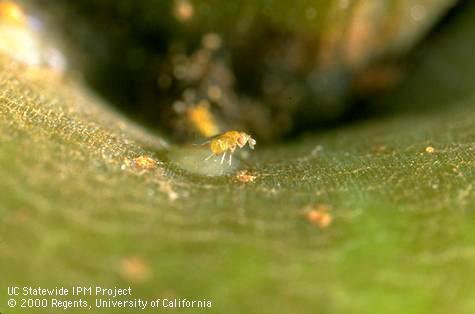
x,y
208,140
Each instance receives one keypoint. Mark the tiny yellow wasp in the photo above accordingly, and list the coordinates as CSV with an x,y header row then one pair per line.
x,y
229,141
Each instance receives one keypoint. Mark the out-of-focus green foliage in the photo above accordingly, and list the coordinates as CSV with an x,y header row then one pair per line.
x,y
76,208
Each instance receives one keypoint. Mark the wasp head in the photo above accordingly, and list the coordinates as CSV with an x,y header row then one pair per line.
x,y
246,138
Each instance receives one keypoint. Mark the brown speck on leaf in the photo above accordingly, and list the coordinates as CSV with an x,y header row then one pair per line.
x,y
430,149
134,268
144,163
319,215
141,164
245,177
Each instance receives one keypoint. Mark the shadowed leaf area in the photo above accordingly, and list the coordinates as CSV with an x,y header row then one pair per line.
x,y
88,198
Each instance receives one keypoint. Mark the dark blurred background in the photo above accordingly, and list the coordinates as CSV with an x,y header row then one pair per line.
x,y
272,68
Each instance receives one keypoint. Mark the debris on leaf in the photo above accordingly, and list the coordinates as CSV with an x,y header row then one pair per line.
x,y
319,215
141,163
144,163
245,177
134,268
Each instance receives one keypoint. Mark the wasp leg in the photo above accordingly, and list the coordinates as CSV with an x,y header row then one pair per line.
x,y
230,158
222,158
232,149
212,154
